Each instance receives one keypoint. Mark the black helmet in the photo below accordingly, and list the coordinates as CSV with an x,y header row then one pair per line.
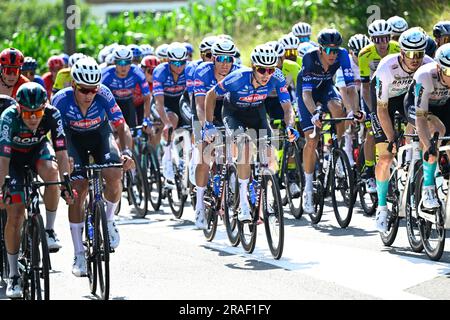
x,y
31,95
328,37
442,28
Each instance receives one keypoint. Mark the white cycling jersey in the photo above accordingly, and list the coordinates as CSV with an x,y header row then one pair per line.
x,y
391,80
340,82
429,89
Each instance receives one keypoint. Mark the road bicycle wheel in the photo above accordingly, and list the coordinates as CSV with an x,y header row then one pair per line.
x,y
152,171
211,215
393,203
412,222
273,214
177,196
137,188
368,201
342,187
40,261
102,248
3,255
293,175
319,192
248,230
91,251
231,199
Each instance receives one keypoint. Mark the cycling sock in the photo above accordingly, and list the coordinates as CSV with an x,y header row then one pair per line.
x,y
370,166
13,264
308,182
382,189
428,173
76,229
243,183
200,193
50,217
110,210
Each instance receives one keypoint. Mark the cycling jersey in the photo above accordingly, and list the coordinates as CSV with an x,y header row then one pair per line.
x,y
63,80
102,109
300,59
240,92
429,89
123,88
190,74
16,136
290,71
38,79
204,78
21,81
164,83
369,59
48,82
5,102
340,81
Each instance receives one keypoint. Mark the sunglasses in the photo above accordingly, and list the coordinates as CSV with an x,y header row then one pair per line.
x,y
123,62
291,52
11,70
207,54
414,54
87,90
330,50
445,71
224,59
178,63
303,39
32,114
262,70
384,39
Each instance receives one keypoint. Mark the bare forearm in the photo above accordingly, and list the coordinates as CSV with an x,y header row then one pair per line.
x,y
288,114
159,100
200,107
125,140
63,163
423,131
385,121
210,104
4,169
309,102
147,106
366,94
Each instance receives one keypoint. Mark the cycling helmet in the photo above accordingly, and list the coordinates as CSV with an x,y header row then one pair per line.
x,y
380,28
31,95
147,50
223,47
443,56
11,57
177,52
207,43
442,28
109,59
150,62
328,37
304,47
301,29
225,36
29,64
264,56
75,57
289,41
358,41
398,25
278,47
413,39
55,62
65,58
189,47
136,50
161,51
87,72
431,47
122,53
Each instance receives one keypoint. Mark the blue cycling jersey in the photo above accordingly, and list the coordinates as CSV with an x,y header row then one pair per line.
x,y
123,88
103,108
240,92
190,73
164,83
38,79
312,76
205,79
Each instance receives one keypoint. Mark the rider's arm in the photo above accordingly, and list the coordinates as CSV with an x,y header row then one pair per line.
x,y
309,101
159,100
5,145
125,139
366,94
4,169
147,106
351,96
288,114
364,72
421,99
382,106
62,157
159,76
145,90
201,109
210,104
59,141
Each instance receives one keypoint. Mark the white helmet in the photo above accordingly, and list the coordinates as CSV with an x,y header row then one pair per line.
x,y
74,58
289,41
109,59
122,53
225,36
86,71
398,25
223,47
301,29
304,47
264,56
147,50
278,47
207,43
413,39
161,51
177,52
380,28
358,41
443,56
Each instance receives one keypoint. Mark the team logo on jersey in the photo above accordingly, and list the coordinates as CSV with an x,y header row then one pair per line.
x,y
174,89
27,139
190,83
115,109
253,97
348,73
86,123
284,89
123,93
7,149
60,143
198,83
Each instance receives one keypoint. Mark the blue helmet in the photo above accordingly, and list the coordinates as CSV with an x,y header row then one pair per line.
x,y
189,47
29,64
328,37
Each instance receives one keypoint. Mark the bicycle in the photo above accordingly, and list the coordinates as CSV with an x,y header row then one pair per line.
x,y
34,258
4,265
96,231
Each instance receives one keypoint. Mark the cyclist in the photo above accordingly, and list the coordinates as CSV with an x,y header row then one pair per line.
x,y
302,49
5,102
29,70
63,79
302,31
147,50
190,50
91,132
290,44
315,85
169,83
398,26
206,76
161,52
122,79
137,53
380,32
11,60
393,76
148,64
428,102
441,33
25,127
54,64
244,93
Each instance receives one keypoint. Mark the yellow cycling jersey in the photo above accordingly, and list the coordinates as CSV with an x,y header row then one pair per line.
x,y
290,71
63,80
368,59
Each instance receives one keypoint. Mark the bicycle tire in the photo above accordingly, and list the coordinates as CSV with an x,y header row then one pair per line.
x,y
91,260
40,261
249,243
412,223
102,246
153,173
177,205
211,215
295,208
368,209
393,197
275,233
4,255
318,194
137,189
231,199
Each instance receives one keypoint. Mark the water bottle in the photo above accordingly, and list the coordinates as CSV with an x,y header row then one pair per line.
x,y
90,227
252,191
216,184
